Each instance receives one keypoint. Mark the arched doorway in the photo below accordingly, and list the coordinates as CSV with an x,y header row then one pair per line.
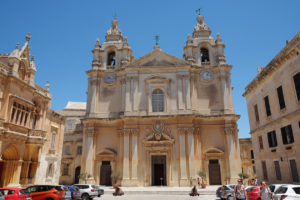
x,y
214,172
10,157
105,173
77,173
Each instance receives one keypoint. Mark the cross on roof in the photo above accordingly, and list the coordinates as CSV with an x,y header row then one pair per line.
x,y
156,39
198,10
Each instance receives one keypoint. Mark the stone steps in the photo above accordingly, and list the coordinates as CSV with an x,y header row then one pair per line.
x,y
161,190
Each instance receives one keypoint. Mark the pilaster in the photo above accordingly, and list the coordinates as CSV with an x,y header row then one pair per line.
x,y
183,173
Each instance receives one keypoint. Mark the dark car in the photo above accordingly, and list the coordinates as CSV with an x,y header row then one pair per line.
x,y
219,192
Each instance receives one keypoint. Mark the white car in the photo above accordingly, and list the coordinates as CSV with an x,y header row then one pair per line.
x,y
287,192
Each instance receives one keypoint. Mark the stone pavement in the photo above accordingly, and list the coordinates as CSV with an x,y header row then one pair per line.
x,y
156,197
161,193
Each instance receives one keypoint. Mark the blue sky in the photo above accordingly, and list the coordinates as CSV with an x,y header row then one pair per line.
x,y
64,33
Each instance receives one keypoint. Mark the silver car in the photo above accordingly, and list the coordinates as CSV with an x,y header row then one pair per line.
x,y
86,191
227,192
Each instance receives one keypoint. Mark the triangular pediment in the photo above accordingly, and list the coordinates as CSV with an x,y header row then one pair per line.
x,y
158,58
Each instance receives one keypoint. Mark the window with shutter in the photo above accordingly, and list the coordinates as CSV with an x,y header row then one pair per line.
x,y
264,170
256,113
277,170
287,134
297,85
260,140
280,97
272,139
267,105
294,171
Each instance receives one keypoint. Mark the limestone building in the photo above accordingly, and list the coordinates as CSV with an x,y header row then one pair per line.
x,y
247,157
274,115
73,113
160,119
31,134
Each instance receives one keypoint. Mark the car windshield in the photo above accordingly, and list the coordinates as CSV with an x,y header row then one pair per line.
x,y
7,192
58,188
231,186
24,191
281,190
272,188
250,189
93,186
297,190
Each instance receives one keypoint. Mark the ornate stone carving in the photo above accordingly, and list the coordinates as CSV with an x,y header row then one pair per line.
x,y
184,130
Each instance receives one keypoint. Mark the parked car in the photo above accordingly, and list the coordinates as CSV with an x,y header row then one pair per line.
x,y
68,195
100,191
1,196
42,192
87,191
274,187
15,193
219,192
253,192
287,192
227,192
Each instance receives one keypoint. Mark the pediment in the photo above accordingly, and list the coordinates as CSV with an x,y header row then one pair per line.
x,y
158,58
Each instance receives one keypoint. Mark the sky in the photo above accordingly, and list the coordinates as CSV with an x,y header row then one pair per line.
x,y
65,31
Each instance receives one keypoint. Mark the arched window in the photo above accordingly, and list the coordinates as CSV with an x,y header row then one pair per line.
x,y
157,101
111,58
204,55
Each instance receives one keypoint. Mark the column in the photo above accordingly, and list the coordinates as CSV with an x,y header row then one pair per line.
x,y
232,154
123,83
126,157
24,172
191,152
134,158
127,96
180,95
88,155
135,93
17,173
183,175
188,93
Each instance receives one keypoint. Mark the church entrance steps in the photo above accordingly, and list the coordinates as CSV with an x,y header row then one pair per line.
x,y
162,190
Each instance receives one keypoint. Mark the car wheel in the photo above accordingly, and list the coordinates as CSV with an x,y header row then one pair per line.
x,y
85,197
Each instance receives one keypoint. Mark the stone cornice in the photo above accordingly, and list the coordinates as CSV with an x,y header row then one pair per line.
x,y
282,57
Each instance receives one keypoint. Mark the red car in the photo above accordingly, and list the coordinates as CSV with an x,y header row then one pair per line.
x,y
253,193
15,193
48,192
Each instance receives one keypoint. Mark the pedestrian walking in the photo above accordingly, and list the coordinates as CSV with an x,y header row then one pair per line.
x,y
239,191
265,192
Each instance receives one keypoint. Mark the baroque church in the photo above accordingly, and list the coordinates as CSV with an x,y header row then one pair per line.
x,y
159,119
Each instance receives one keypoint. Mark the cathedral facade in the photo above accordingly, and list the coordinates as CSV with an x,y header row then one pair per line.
x,y
159,119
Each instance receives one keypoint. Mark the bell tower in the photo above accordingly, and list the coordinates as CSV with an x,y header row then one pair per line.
x,y
114,53
203,50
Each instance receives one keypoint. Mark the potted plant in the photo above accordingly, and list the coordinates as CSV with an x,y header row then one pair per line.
x,y
202,174
85,176
243,175
115,176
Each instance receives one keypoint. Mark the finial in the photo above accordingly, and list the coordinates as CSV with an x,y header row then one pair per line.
x,y
219,37
28,36
17,45
189,37
97,41
47,86
32,58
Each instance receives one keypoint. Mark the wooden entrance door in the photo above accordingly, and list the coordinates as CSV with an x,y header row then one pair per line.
x,y
214,172
105,173
77,173
159,170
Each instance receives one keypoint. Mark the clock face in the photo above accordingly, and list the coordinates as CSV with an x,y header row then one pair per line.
x,y
207,75
109,78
